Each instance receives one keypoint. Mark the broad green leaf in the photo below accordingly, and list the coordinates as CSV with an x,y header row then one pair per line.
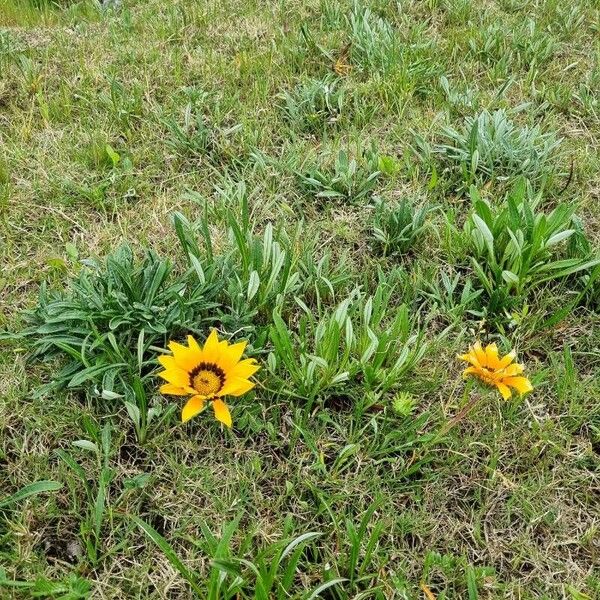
x,y
570,267
559,237
471,583
75,467
486,233
87,445
510,277
253,285
134,413
305,537
92,372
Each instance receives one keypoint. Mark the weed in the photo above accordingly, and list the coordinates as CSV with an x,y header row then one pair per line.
x,y
349,179
516,247
197,136
375,45
95,502
74,587
490,146
459,99
454,296
527,47
109,324
124,104
357,341
396,229
314,104
271,574
259,271
30,490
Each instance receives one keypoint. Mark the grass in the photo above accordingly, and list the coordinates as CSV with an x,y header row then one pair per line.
x,y
333,182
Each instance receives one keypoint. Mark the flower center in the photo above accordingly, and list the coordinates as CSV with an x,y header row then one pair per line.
x,y
489,376
207,379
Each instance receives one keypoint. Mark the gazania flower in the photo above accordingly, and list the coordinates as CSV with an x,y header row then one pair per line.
x,y
494,370
207,374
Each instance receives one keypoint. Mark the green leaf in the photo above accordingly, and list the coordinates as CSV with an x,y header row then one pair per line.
x,y
253,285
510,277
75,467
170,554
471,583
31,490
112,155
559,237
87,445
140,350
567,267
325,586
134,413
563,312
197,265
229,566
577,595
301,539
433,179
92,372
486,233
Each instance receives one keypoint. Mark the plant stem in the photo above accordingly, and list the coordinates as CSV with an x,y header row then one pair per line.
x,y
459,416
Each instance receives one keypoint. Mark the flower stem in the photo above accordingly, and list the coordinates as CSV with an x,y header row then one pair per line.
x,y
457,418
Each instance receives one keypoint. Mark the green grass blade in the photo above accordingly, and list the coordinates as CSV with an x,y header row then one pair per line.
x,y
169,552
325,586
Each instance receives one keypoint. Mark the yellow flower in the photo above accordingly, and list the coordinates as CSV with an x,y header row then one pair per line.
x,y
207,374
493,370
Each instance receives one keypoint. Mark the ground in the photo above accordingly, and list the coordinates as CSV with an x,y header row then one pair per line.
x,y
114,119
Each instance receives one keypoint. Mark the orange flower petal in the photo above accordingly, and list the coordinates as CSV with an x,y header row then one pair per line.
x,y
231,354
504,390
471,371
491,354
237,387
193,344
507,359
470,358
511,370
193,407
222,412
211,346
173,390
245,368
184,357
177,377
168,362
480,354
521,384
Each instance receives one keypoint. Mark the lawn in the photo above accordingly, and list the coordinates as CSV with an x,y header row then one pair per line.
x,y
360,190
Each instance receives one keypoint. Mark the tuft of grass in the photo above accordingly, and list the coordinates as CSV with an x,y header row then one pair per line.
x,y
374,43
358,341
490,146
315,104
351,179
516,247
397,229
109,326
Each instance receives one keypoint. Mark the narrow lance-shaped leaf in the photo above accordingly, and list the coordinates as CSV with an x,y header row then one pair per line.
x,y
170,554
31,489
